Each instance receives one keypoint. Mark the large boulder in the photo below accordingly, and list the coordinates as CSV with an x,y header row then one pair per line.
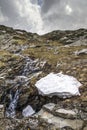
x,y
58,84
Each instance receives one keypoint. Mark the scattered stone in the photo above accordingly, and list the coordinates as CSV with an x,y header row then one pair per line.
x,y
49,106
84,51
28,111
32,46
64,113
59,122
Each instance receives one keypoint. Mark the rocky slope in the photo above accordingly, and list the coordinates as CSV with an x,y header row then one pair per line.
x,y
26,58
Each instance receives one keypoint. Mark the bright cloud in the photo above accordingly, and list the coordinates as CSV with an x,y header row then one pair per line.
x,y
42,16
31,13
68,9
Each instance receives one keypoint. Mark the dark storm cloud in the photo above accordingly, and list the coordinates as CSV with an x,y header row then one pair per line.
x,y
42,16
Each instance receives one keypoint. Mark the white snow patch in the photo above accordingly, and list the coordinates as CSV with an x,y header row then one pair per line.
x,y
58,84
28,111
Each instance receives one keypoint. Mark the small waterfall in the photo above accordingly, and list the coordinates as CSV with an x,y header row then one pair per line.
x,y
28,67
13,103
23,79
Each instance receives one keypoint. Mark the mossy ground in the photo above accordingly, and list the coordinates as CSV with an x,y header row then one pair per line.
x,y
56,54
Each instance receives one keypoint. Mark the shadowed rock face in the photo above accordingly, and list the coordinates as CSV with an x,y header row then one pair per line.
x,y
25,58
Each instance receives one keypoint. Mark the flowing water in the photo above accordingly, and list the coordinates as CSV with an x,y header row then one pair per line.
x,y
28,68
13,103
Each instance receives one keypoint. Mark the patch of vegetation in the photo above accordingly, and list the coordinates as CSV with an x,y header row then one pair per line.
x,y
2,64
20,41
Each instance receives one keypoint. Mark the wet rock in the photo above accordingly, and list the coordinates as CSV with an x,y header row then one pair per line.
x,y
21,80
10,112
27,96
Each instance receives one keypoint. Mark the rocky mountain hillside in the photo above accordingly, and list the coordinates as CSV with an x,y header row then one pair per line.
x,y
25,58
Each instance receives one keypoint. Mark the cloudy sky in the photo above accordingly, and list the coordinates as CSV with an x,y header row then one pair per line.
x,y
42,16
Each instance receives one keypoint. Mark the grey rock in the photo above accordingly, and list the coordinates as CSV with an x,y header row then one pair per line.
x,y
49,107
84,51
59,122
2,111
28,111
66,113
